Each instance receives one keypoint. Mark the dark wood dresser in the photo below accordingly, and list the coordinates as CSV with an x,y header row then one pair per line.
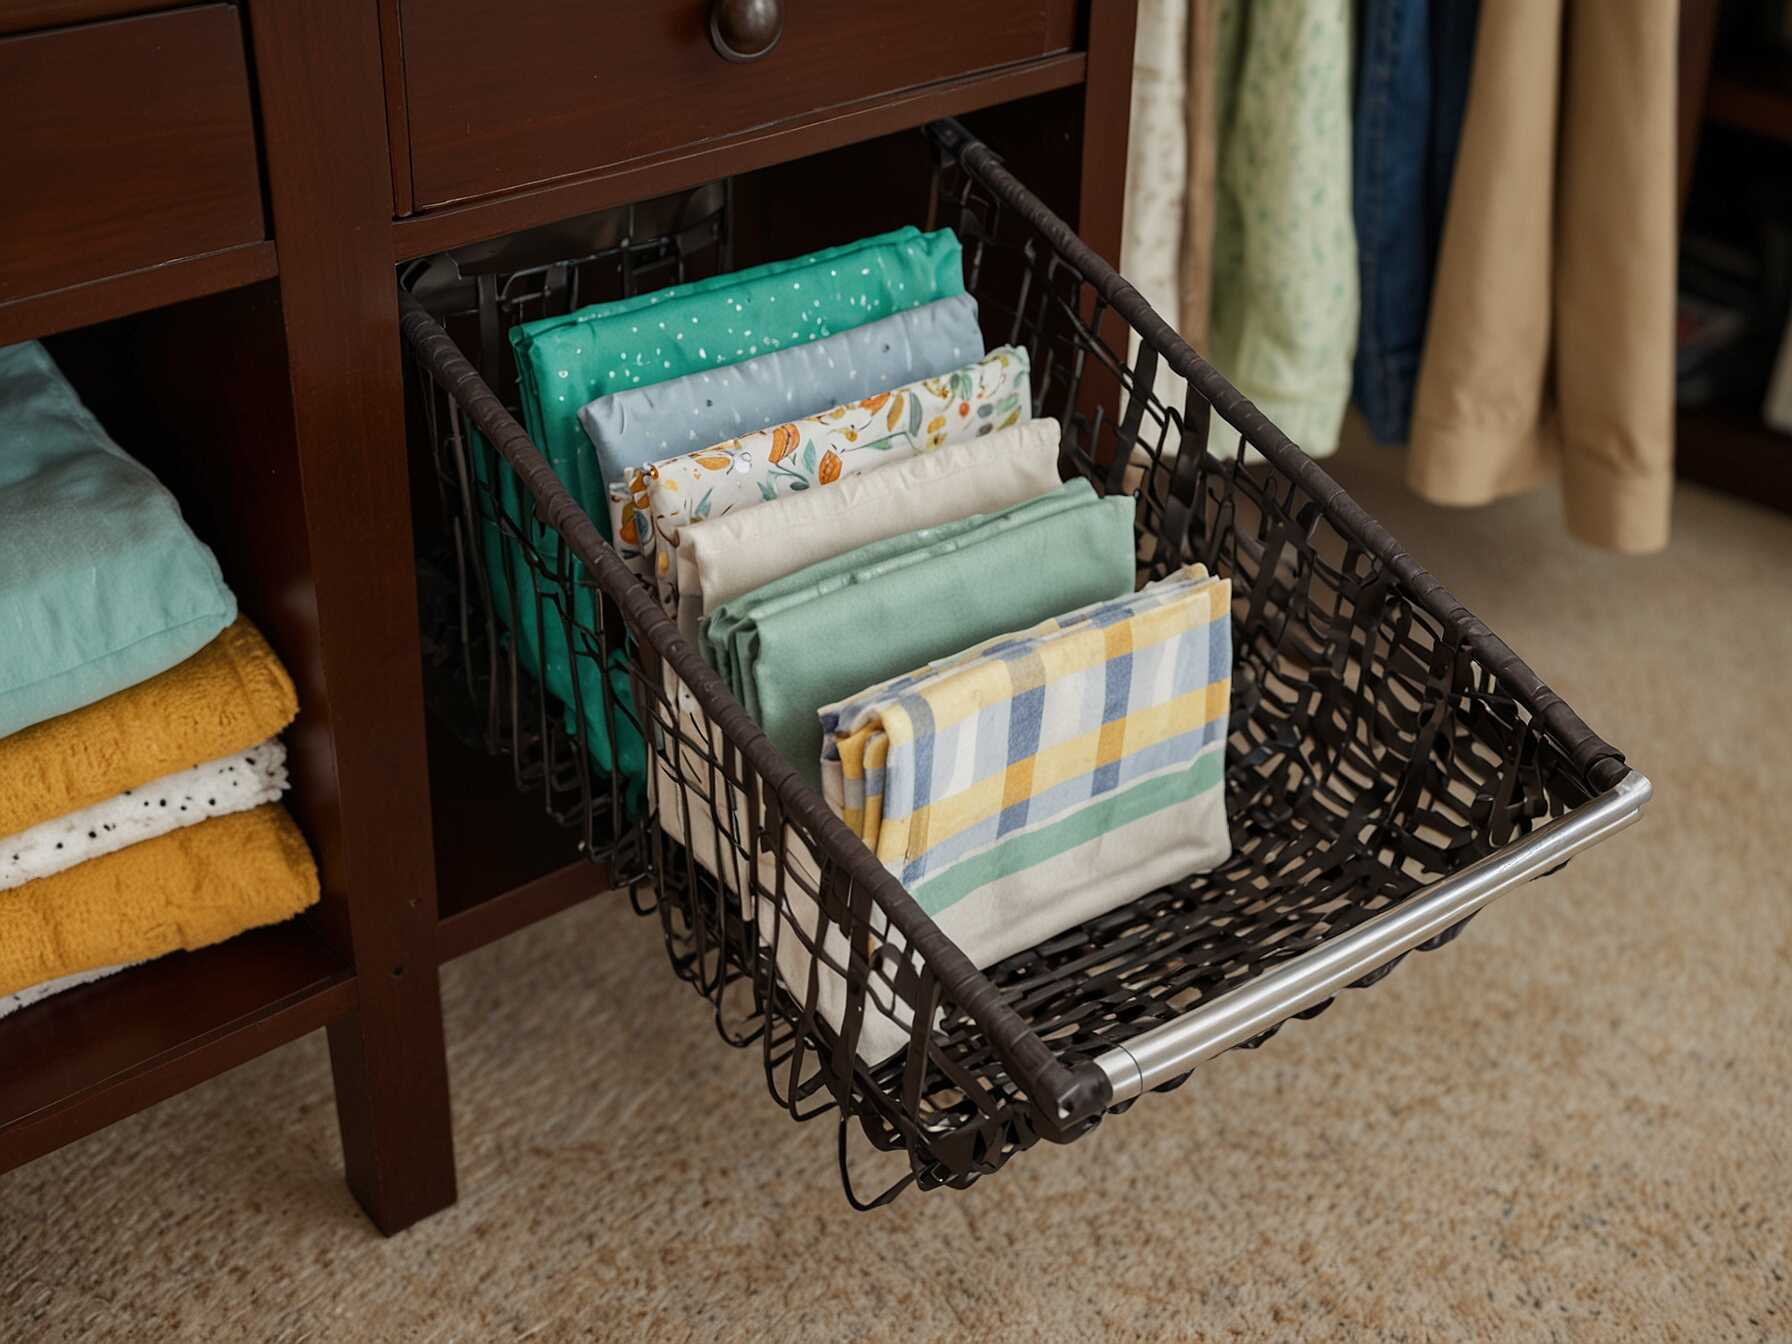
x,y
204,208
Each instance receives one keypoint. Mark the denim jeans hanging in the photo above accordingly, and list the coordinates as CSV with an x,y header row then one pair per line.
x,y
1412,88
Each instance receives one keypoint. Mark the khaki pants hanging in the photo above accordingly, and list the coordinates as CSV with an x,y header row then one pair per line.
x,y
1550,342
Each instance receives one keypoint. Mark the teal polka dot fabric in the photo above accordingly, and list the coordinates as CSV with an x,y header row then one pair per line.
x,y
565,362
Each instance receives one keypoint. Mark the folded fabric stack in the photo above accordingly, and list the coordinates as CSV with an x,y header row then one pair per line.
x,y
1035,755
824,505
752,561
1038,779
814,636
139,764
618,385
792,457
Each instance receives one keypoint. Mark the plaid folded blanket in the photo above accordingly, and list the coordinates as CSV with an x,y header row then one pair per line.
x,y
1043,778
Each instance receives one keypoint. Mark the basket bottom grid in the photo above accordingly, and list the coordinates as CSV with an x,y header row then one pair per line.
x,y
1103,983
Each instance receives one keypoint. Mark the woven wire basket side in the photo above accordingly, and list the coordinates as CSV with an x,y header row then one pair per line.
x,y
504,559
1381,739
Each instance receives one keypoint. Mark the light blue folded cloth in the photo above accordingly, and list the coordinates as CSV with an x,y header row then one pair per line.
x,y
639,425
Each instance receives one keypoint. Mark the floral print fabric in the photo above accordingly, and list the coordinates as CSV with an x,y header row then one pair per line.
x,y
651,504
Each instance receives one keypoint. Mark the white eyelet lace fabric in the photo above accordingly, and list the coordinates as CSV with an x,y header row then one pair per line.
x,y
229,784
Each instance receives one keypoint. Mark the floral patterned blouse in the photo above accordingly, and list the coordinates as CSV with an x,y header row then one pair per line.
x,y
650,504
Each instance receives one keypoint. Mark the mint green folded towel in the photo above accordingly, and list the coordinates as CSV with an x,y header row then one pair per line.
x,y
829,631
102,583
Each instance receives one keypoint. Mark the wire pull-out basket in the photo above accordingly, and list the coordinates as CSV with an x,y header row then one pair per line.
x,y
1392,766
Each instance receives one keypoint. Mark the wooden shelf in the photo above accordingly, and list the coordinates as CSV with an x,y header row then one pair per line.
x,y
501,862
135,292
77,1062
1730,449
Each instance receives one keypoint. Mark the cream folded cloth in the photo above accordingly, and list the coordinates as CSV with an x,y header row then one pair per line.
x,y
233,783
724,558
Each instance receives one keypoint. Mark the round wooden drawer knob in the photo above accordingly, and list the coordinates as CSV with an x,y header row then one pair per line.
x,y
745,30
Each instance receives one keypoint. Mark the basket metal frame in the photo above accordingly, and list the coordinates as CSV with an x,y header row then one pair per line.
x,y
1042,1093
1172,1050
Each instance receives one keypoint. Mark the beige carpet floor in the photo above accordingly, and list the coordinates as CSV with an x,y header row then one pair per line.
x,y
1571,1124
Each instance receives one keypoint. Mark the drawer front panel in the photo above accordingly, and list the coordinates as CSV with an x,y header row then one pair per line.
x,y
130,143
501,96
27,16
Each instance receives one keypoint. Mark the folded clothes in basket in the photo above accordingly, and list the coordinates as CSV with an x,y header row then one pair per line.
x,y
977,399
102,583
1041,779
228,697
649,423
565,362
233,783
1032,755
729,557
817,635
184,890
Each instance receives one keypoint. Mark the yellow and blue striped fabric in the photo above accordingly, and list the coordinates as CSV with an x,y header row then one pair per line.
x,y
1024,757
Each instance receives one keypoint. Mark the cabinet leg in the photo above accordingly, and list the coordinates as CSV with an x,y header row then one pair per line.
x,y
319,68
392,1107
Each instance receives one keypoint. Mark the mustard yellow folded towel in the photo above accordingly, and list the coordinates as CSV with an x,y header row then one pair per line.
x,y
184,890
230,695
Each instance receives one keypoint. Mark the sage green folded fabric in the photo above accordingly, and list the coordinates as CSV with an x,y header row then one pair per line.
x,y
831,630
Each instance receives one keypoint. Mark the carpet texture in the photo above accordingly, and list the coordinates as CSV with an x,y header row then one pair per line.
x,y
1571,1124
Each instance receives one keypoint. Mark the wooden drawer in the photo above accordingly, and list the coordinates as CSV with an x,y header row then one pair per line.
x,y
130,143
500,96
29,16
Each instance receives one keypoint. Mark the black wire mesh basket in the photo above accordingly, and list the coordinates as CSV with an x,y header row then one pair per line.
x,y
1391,765
502,557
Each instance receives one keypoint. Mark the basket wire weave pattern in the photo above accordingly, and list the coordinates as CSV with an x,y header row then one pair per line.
x,y
478,296
1381,737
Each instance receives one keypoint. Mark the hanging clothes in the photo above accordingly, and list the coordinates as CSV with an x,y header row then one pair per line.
x,y
1412,89
1284,250
1550,343
1201,148
1167,248
1157,173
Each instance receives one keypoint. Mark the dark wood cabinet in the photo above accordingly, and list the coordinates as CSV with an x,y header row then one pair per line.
x,y
506,96
130,144
209,201
30,16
